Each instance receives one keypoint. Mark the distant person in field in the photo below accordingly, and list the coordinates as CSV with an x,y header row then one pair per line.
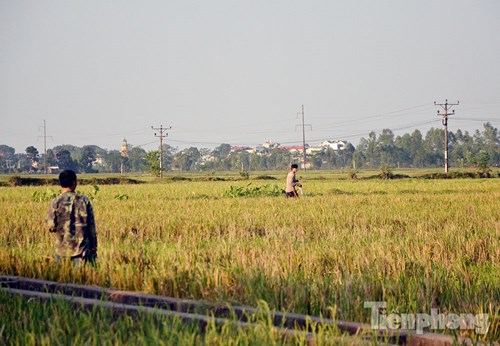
x,y
71,218
292,182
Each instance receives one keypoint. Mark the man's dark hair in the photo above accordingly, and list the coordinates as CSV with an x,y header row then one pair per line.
x,y
67,178
294,166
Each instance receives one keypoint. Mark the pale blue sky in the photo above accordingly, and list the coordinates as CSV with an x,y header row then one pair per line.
x,y
237,72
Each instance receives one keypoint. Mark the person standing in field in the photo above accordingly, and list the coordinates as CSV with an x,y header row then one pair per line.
x,y
292,182
71,218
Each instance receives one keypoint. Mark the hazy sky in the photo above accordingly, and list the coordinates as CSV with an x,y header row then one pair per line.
x,y
237,72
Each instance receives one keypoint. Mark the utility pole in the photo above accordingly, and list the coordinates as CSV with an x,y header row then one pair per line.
x,y
446,106
303,136
44,146
161,133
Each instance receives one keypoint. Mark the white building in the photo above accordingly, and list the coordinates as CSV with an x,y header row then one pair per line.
x,y
335,145
53,170
314,150
270,145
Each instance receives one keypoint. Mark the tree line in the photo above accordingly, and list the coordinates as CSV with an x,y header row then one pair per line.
x,y
384,149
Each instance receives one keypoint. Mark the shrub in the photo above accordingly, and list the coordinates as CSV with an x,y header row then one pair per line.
x,y
245,175
352,174
386,173
265,190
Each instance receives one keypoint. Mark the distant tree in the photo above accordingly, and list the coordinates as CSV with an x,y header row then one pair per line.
x,y
136,159
51,158
99,152
153,158
65,161
482,162
316,159
87,159
279,159
417,151
32,153
372,152
22,163
387,148
6,151
358,159
346,155
7,158
74,151
402,147
222,150
240,161
168,156
328,158
434,147
492,143
187,159
257,162
113,161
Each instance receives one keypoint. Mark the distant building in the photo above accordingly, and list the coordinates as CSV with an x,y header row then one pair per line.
x,y
124,150
293,148
53,170
314,150
207,158
335,145
98,161
270,145
260,150
241,149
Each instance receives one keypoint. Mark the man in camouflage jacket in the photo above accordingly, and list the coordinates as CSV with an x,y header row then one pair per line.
x,y
71,218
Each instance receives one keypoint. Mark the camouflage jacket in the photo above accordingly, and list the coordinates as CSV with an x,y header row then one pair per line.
x,y
71,218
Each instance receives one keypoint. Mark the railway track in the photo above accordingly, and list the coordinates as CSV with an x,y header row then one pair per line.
x,y
201,314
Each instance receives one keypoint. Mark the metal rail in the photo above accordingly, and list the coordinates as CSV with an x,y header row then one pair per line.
x,y
200,313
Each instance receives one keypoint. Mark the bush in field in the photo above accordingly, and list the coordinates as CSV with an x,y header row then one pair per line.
x,y
153,158
245,175
45,196
482,162
92,195
352,174
265,190
386,172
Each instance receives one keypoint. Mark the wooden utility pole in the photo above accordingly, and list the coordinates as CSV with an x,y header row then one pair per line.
x,y
446,106
161,133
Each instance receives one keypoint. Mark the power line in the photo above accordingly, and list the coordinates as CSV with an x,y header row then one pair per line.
x,y
391,113
366,133
367,119
141,145
480,120
346,136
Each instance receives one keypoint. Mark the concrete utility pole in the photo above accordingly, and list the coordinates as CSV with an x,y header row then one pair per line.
x,y
44,146
161,133
303,136
446,106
